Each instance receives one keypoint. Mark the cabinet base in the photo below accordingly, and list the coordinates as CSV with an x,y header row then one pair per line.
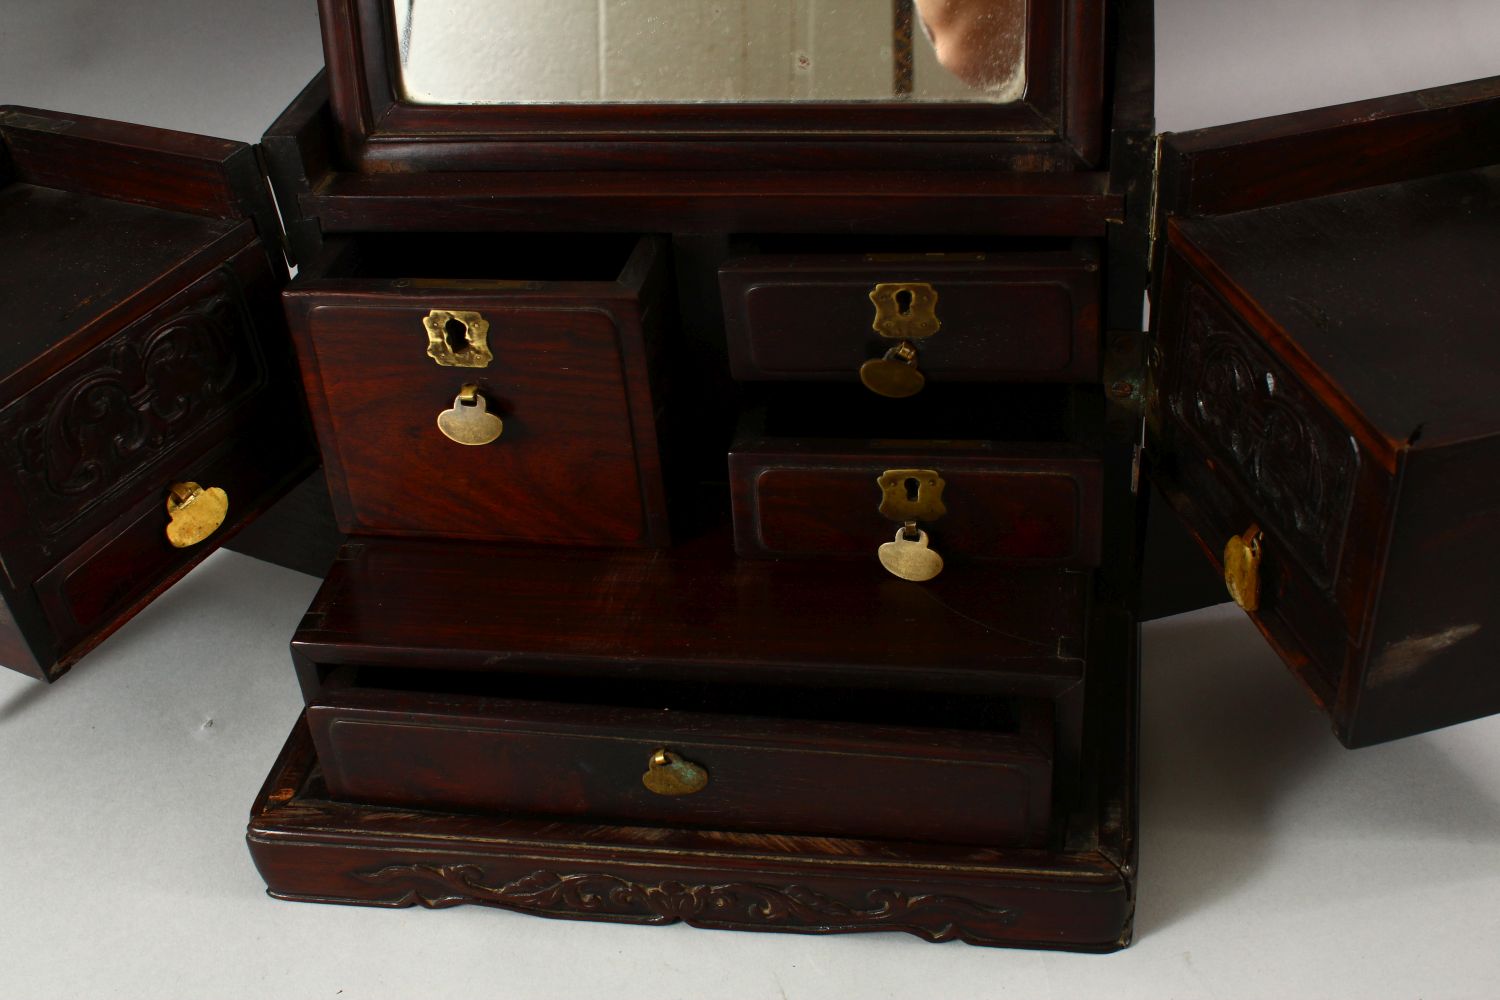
x,y
311,848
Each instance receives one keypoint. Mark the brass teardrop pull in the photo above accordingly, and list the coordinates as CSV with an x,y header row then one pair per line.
x,y
910,557
668,774
896,375
194,512
469,420
1242,568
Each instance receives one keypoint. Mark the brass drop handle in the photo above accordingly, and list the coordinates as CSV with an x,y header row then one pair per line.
x,y
194,513
669,774
905,311
896,375
1242,554
469,421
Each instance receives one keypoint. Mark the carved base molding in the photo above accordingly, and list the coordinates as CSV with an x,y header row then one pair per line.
x,y
745,905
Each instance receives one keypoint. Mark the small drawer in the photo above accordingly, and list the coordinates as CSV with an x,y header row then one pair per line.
x,y
987,317
680,761
555,340
1030,503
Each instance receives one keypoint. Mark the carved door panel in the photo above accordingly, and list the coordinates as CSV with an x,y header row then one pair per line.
x,y
1318,400
149,404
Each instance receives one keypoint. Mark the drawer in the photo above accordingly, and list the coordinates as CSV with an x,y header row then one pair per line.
x,y
1029,503
1016,316
556,340
701,758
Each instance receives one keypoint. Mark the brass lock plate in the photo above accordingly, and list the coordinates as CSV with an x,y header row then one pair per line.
x,y
194,513
905,310
1242,556
668,774
457,338
911,494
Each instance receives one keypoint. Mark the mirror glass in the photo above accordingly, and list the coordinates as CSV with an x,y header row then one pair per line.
x,y
687,51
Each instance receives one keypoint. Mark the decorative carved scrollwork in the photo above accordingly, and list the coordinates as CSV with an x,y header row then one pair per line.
x,y
1289,452
128,402
736,904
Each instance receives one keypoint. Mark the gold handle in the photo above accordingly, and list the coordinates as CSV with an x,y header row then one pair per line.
x,y
194,513
458,338
896,375
1242,568
469,421
909,556
668,774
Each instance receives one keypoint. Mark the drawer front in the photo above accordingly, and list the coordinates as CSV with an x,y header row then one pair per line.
x,y
1031,505
1003,317
575,460
727,772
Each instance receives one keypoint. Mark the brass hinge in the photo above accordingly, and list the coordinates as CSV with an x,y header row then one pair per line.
x,y
1153,225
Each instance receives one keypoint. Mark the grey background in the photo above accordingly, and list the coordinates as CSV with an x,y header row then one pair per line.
x,y
1274,863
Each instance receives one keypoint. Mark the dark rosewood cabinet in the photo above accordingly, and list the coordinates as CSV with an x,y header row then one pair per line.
x,y
744,502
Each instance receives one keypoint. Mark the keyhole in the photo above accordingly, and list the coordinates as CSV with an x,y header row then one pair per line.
x,y
457,333
904,299
913,487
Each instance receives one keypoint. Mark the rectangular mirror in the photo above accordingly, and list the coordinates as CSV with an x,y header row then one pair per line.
x,y
468,52
717,85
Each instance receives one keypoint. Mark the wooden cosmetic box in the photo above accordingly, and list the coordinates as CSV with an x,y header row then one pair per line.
x,y
745,517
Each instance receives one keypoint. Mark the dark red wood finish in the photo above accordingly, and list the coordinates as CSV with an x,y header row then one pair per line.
x,y
451,634
1005,316
578,461
693,613
1324,359
919,778
146,348
1037,504
1057,126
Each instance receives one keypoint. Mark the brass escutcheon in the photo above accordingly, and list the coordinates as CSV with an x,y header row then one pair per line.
x,y
668,774
1242,568
457,338
194,513
469,420
905,310
911,494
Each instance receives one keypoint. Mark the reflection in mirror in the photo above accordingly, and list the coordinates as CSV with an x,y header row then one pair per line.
x,y
682,51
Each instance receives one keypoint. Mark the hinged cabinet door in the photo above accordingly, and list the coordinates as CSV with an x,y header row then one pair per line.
x,y
1321,408
149,404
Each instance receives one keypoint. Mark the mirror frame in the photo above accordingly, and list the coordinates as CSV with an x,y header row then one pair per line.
x,y
1056,126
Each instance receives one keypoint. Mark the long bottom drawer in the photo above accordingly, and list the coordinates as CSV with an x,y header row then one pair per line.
x,y
745,768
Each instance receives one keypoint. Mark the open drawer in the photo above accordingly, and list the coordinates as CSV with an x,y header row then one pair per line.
x,y
955,769
488,387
